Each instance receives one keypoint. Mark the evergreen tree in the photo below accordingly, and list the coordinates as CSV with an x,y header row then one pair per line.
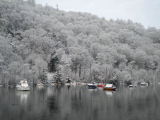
x,y
58,77
43,77
52,66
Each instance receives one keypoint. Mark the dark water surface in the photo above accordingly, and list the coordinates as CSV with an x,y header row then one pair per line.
x,y
79,103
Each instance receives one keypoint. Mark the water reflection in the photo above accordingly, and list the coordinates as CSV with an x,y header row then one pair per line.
x,y
68,87
92,90
23,96
50,91
79,103
109,93
100,88
52,103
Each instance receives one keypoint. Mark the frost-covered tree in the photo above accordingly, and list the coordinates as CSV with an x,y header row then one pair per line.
x,y
34,38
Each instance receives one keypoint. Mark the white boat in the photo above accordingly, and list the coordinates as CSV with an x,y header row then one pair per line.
x,y
73,83
40,85
23,86
68,84
52,84
92,85
109,87
83,83
144,84
132,86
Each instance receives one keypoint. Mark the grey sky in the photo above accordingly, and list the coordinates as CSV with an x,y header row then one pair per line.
x,y
146,12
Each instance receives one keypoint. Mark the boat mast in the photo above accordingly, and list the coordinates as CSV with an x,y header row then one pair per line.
x,y
107,74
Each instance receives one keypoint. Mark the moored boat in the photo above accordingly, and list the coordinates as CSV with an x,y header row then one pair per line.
x,y
68,82
23,86
130,86
100,85
109,87
144,84
92,86
40,85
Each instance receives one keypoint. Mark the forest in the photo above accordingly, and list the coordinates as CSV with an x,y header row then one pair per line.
x,y
36,40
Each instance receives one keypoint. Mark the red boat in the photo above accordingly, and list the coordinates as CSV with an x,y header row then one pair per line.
x,y
100,85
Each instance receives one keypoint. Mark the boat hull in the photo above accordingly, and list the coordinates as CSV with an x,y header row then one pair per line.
x,y
23,86
144,85
101,85
40,86
68,84
92,86
23,89
109,89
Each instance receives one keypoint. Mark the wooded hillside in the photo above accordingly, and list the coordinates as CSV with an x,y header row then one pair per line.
x,y
34,39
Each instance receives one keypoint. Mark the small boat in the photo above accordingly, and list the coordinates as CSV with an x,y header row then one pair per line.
x,y
58,83
40,85
100,85
92,86
144,84
130,86
52,84
109,87
74,83
23,86
68,82
83,83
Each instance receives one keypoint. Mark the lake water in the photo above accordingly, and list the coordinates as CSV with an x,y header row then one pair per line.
x,y
79,103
